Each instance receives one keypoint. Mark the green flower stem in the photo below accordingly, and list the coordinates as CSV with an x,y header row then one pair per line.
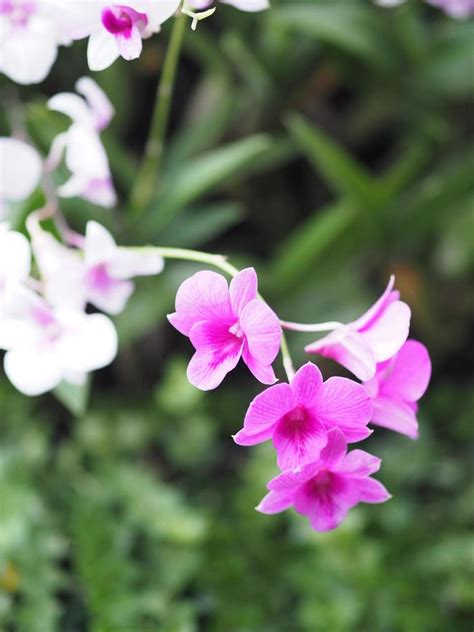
x,y
220,262
145,184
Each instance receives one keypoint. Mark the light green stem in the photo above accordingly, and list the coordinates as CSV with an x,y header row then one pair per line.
x,y
218,261
145,184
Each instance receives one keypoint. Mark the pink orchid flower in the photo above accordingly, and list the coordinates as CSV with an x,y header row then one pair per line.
x,y
117,29
46,345
374,337
396,387
20,172
298,416
225,324
100,272
15,261
325,490
85,155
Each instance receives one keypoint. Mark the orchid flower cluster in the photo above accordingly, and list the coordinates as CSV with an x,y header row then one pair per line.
x,y
33,30
309,420
56,315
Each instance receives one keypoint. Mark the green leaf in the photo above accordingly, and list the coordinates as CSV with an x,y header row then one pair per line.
x,y
350,27
206,173
304,248
344,174
199,226
75,397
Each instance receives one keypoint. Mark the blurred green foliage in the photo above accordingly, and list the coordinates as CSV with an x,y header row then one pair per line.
x,y
328,143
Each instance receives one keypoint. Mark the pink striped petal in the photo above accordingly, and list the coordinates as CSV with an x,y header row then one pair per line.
x,y
359,463
262,372
389,332
306,384
345,404
264,413
292,479
274,503
204,296
262,331
371,491
217,353
243,289
335,449
349,349
395,415
409,374
377,308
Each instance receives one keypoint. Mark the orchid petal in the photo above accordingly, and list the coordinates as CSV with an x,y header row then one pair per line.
x,y
262,330
204,296
264,413
243,289
306,384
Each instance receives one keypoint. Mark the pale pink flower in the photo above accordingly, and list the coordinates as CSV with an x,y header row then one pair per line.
x,y
396,387
29,39
99,273
116,29
225,324
325,490
298,416
15,261
85,155
374,337
47,345
20,172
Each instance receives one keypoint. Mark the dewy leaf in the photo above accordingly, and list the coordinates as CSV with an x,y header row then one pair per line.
x,y
339,169
73,396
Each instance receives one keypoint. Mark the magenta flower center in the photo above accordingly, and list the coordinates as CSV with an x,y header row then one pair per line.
x,y
99,278
296,422
119,20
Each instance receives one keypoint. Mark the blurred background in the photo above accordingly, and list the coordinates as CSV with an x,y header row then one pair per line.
x,y
327,143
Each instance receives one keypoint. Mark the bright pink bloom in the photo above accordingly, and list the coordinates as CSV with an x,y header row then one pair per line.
x,y
325,490
298,416
374,337
224,324
396,387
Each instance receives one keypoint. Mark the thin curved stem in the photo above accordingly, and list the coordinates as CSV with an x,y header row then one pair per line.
x,y
221,262
145,184
329,326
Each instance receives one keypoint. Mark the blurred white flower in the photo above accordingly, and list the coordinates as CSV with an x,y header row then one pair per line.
x,y
47,345
20,172
15,261
84,153
98,274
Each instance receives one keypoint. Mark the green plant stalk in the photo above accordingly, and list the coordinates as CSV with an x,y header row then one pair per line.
x,y
219,261
148,175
